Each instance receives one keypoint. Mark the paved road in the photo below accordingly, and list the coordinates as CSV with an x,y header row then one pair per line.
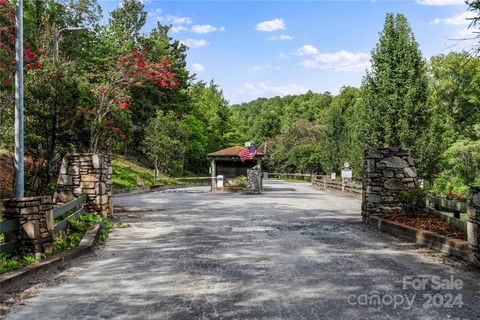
x,y
291,253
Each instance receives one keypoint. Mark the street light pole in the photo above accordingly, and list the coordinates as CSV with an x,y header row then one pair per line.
x,y
19,131
56,39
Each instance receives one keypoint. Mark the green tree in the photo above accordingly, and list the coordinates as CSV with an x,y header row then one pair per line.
x,y
164,143
394,92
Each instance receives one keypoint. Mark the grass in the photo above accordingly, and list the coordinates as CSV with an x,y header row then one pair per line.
x,y
128,174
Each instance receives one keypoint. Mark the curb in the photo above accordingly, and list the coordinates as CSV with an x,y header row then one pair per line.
x,y
452,247
157,188
16,279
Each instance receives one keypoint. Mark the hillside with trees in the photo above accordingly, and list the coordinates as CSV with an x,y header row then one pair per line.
x,y
113,89
430,107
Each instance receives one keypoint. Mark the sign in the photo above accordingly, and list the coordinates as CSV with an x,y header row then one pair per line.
x,y
248,144
333,176
219,181
347,173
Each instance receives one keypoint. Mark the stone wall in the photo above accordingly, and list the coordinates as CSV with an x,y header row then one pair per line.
x,y
86,174
34,221
473,223
385,171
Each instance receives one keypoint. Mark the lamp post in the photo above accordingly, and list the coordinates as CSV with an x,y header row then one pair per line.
x,y
19,139
56,38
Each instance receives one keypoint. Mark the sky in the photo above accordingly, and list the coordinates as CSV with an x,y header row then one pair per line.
x,y
257,49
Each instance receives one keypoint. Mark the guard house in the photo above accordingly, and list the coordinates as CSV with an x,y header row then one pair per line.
x,y
227,163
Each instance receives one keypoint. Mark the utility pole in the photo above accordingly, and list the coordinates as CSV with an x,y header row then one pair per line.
x,y
19,128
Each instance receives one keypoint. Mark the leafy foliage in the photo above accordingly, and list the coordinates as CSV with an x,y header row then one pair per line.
x,y
412,200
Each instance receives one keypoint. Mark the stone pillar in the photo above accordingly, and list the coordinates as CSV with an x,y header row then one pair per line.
x,y
473,223
34,218
90,175
385,171
254,177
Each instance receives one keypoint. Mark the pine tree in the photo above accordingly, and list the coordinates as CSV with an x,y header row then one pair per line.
x,y
394,92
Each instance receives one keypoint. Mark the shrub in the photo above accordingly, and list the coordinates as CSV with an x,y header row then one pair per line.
x,y
412,200
239,182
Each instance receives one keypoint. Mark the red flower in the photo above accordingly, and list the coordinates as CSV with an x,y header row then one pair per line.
x,y
116,130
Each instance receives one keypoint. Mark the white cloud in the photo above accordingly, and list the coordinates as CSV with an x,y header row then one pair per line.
x,y
468,33
464,18
440,2
263,67
194,43
197,67
175,20
271,25
338,61
177,29
282,37
307,50
266,89
155,13
205,28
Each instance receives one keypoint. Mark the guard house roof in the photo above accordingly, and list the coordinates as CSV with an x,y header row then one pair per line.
x,y
230,152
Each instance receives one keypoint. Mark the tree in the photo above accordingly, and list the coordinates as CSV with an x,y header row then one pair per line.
x,y
474,6
164,143
394,92
338,141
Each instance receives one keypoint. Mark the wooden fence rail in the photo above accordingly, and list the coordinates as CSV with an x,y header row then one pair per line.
x,y
437,206
351,187
7,227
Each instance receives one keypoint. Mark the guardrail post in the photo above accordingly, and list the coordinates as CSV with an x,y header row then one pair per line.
x,y
473,229
34,221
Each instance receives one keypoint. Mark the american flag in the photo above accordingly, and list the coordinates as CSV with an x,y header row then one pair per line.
x,y
248,153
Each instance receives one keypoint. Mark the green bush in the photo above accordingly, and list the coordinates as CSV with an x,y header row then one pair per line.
x,y
412,200
238,182
449,187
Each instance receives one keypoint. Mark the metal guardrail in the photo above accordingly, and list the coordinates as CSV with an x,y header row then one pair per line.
x,y
9,226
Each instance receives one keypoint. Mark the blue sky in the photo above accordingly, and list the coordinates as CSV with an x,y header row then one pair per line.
x,y
267,48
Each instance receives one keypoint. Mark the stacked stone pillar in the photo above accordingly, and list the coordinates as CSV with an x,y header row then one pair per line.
x,y
385,172
34,218
90,175
473,223
254,180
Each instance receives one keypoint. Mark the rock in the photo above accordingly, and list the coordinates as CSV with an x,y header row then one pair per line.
x,y
373,154
394,162
31,230
393,184
388,174
410,172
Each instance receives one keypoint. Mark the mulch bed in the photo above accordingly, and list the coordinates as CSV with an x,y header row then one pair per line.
x,y
428,223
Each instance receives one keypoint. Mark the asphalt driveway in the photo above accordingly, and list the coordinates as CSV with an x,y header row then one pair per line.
x,y
291,253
